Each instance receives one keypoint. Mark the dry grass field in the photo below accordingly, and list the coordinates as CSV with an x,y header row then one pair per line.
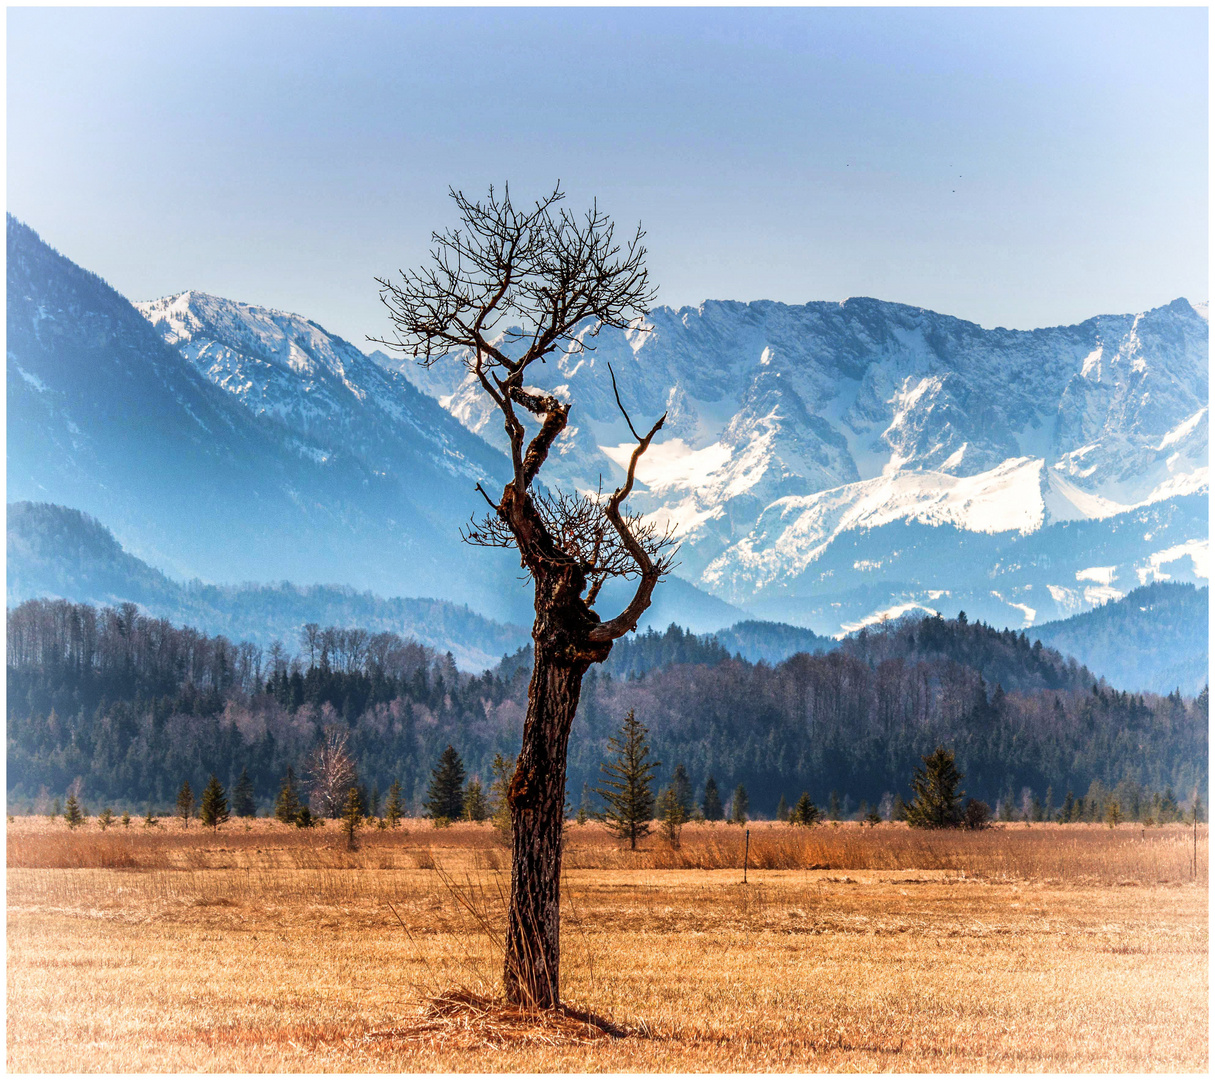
x,y
1056,948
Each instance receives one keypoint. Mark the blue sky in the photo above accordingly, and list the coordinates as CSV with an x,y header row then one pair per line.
x,y
1017,167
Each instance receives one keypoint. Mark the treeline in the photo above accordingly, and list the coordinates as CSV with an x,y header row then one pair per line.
x,y
134,706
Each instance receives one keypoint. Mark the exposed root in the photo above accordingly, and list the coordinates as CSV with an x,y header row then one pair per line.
x,y
462,1019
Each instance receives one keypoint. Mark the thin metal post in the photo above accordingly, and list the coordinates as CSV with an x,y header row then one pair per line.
x,y
746,854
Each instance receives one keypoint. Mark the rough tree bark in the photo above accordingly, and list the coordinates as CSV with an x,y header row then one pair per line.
x,y
562,279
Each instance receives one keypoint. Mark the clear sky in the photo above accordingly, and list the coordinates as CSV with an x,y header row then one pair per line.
x,y
1017,167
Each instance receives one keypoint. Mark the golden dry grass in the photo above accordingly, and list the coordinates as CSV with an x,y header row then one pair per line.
x,y
1049,948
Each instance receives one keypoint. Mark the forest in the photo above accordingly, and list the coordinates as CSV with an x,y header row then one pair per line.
x,y
127,707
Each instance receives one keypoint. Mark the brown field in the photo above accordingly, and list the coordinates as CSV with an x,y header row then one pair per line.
x,y
1043,948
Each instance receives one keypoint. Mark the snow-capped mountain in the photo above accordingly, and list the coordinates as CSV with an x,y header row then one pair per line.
x,y
106,417
327,394
791,428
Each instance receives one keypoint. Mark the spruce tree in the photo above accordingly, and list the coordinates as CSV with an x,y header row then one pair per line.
x,y
151,821
672,814
584,804
126,819
937,802
627,792
72,813
738,806
503,770
833,806
682,787
287,805
395,810
352,817
105,819
185,803
213,809
782,809
243,804
445,795
712,801
476,807
805,812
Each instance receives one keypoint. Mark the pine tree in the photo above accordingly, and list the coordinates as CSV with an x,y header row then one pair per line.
x,y
672,814
151,821
287,805
243,804
352,817
395,810
126,819
937,802
682,787
739,805
805,812
213,810
476,808
584,804
105,819
373,807
445,796
185,803
72,814
833,806
712,801
898,808
503,770
782,809
627,792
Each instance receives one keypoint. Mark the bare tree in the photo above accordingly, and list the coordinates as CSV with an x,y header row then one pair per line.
x,y
330,772
551,281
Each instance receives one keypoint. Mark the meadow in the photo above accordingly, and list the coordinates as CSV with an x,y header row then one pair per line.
x,y
262,947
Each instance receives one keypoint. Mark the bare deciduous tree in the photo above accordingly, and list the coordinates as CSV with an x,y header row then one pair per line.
x,y
330,772
550,281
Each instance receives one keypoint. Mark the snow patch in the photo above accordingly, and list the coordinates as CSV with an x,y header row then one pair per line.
x,y
1198,552
1102,575
881,616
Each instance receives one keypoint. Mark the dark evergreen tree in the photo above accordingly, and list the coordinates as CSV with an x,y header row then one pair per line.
x,y
445,796
395,809
287,806
105,819
805,812
476,806
711,806
352,817
627,790
782,808
937,802
739,804
213,809
682,788
185,803
672,814
73,814
833,806
243,804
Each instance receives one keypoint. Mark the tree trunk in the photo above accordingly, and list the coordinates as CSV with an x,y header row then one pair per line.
x,y
537,800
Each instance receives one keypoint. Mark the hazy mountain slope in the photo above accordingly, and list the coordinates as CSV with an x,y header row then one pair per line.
x,y
103,415
57,552
1155,638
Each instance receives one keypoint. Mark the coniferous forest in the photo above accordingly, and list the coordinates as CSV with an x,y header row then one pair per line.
x,y
132,707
